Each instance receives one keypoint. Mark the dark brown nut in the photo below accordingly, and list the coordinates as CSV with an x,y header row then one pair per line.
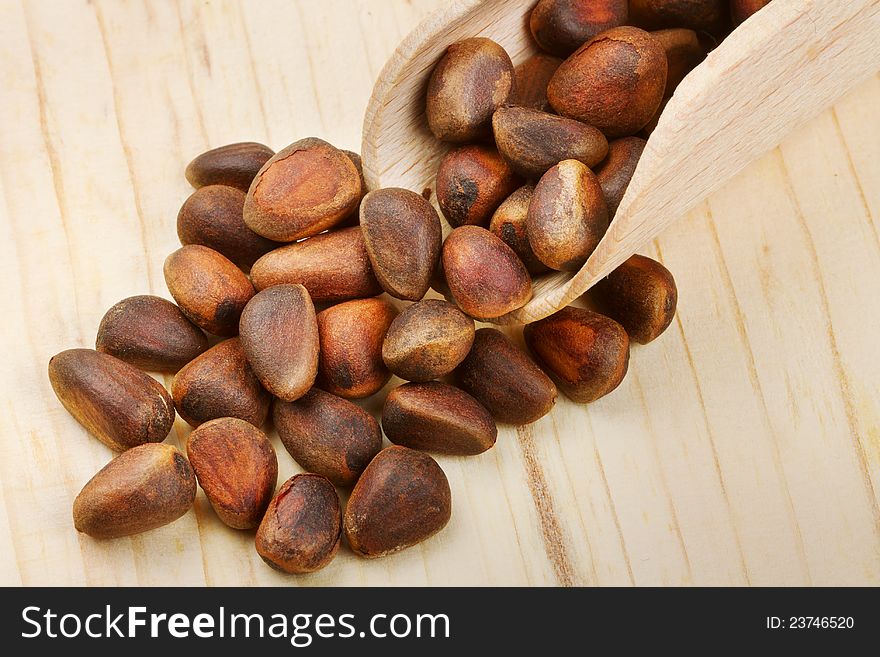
x,y
509,223
640,295
472,80
485,277
303,190
220,383
700,15
531,79
301,530
561,26
146,487
567,216
151,333
212,217
332,267
531,141
742,9
210,290
401,499
234,165
586,353
114,401
427,340
328,435
279,335
505,380
683,53
618,168
614,82
353,218
350,364
236,467
402,234
437,417
472,181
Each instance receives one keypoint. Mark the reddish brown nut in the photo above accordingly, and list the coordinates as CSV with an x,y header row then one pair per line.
x,y
353,218
301,530
437,417
220,383
683,53
427,340
279,335
485,277
401,499
531,141
350,364
472,80
742,9
561,26
645,132
586,353
614,82
505,380
700,15
509,224
402,234
151,333
210,290
303,190
531,79
114,401
472,181
618,168
328,435
640,295
236,467
567,216
212,217
332,267
146,487
234,165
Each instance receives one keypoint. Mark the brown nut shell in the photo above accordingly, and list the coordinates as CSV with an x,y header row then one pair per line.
x,y
402,235
640,295
561,26
114,401
212,217
586,353
618,168
740,10
683,53
328,435
509,224
279,335
437,417
401,499
237,468
150,333
303,190
332,267
210,290
700,15
472,80
531,141
485,277
352,333
567,216
427,340
234,165
505,380
301,530
144,488
220,383
614,82
354,218
531,79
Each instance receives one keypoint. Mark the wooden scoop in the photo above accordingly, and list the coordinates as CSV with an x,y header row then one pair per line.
x,y
784,65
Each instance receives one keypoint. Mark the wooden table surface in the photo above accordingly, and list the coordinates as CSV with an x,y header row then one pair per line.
x,y
742,448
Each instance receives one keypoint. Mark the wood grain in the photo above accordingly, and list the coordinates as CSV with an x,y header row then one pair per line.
x,y
743,447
